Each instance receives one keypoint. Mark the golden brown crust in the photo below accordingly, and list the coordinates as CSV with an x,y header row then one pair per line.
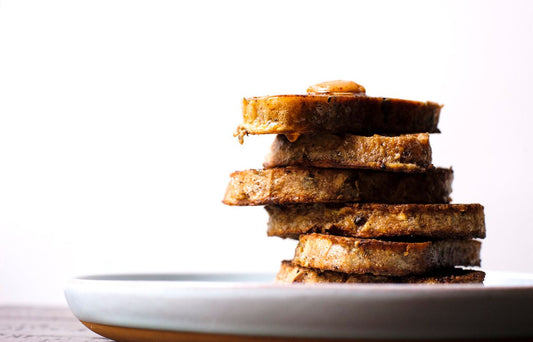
x,y
431,221
290,114
315,185
351,255
291,273
407,153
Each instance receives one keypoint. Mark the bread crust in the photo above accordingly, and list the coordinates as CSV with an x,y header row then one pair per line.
x,y
291,273
352,255
407,153
430,221
299,114
290,185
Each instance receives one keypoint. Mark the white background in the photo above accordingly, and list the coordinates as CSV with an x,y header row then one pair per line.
x,y
116,122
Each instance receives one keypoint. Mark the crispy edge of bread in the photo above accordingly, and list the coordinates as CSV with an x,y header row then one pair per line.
x,y
405,153
291,185
291,273
431,221
352,255
297,114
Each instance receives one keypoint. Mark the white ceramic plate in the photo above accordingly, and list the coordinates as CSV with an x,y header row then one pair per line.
x,y
252,305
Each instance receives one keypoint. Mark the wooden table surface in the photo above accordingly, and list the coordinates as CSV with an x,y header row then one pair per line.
x,y
43,324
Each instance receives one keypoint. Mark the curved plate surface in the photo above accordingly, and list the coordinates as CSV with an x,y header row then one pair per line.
x,y
252,305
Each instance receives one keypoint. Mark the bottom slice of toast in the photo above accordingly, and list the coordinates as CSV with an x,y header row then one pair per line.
x,y
390,258
291,273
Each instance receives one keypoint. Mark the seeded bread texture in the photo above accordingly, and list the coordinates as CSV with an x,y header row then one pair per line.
x,y
364,115
406,153
292,185
352,255
291,273
431,221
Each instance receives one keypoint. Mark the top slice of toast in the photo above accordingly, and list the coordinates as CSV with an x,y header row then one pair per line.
x,y
336,113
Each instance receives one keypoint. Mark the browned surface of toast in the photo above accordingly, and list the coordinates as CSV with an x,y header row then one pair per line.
x,y
291,273
352,255
316,185
432,221
407,153
297,114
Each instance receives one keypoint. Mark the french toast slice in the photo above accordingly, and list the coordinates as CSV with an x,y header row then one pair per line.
x,y
406,153
390,258
290,185
336,113
369,220
291,273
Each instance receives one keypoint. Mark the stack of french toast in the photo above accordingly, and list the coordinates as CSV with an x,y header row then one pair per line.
x,y
351,177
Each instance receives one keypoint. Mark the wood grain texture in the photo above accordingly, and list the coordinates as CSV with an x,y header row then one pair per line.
x,y
43,324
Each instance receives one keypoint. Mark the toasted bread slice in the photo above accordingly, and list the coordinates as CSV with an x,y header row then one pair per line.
x,y
315,185
321,113
351,255
431,221
291,273
407,153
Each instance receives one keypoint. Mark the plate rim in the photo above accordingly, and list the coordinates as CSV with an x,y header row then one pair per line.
x,y
163,279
